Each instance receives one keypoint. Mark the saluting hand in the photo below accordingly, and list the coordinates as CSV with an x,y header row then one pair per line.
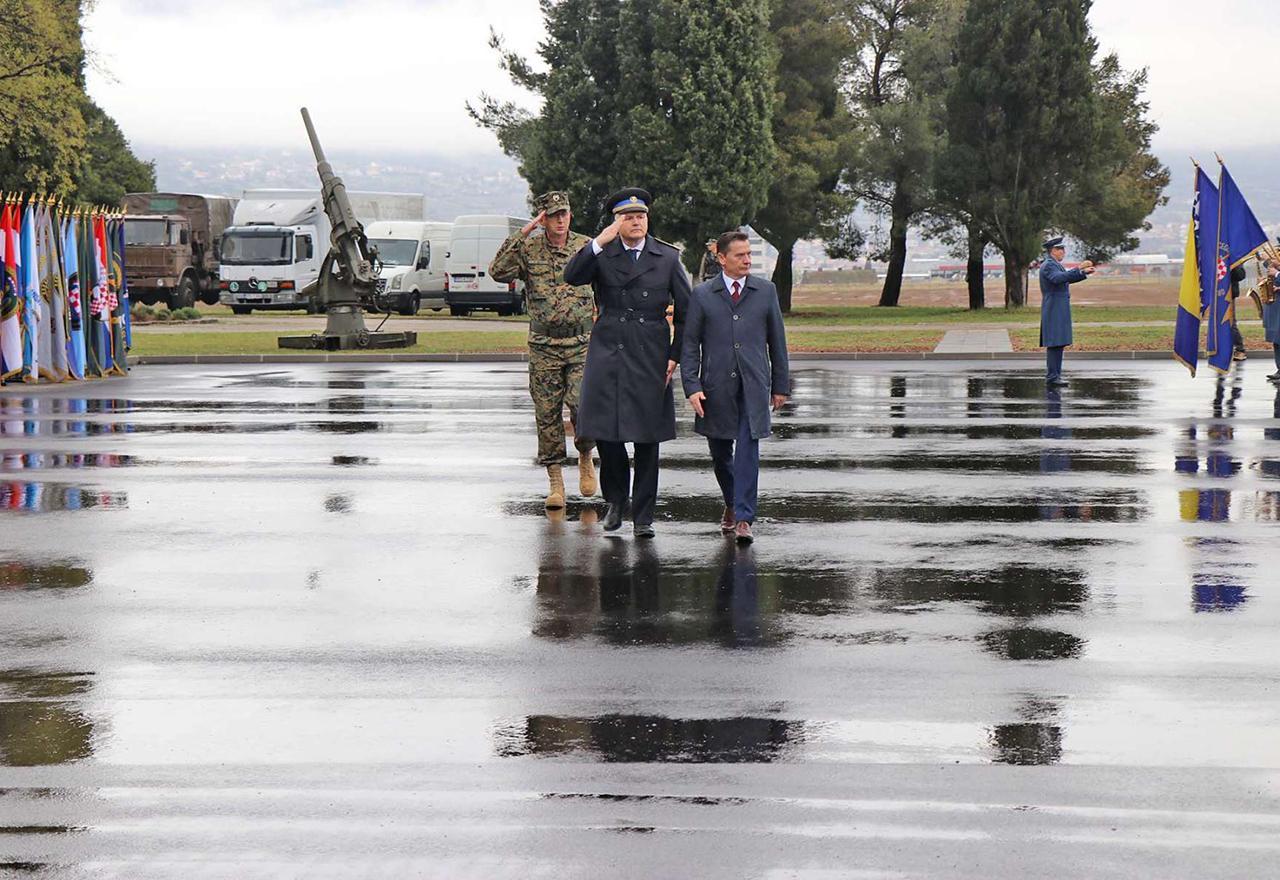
x,y
609,233
695,401
535,223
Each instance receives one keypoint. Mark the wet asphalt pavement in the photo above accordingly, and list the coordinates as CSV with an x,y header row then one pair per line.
x,y
313,622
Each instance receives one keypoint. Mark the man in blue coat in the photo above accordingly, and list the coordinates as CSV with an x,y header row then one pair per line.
x,y
735,373
1055,306
1271,321
626,383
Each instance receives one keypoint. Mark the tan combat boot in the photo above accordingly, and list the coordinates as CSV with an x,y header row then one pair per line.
x,y
586,475
555,496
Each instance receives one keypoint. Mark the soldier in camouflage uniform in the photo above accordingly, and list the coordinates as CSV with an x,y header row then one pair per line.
x,y
710,267
560,319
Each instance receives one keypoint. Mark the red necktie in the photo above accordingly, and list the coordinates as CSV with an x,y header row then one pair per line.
x,y
737,293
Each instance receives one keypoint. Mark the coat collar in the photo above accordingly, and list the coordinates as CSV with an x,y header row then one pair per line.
x,y
618,251
718,287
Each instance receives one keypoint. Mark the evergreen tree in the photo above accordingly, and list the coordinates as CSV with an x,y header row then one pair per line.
x,y
672,95
897,108
572,144
109,168
812,129
1022,119
697,130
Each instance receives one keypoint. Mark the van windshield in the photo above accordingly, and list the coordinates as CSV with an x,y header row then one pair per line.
x,y
395,251
257,248
144,232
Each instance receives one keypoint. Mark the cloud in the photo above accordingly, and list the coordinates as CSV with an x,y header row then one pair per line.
x,y
385,73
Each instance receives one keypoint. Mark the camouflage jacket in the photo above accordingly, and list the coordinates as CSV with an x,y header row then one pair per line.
x,y
709,268
559,314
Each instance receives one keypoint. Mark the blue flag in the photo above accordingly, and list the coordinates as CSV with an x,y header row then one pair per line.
x,y
1238,235
1213,272
1240,229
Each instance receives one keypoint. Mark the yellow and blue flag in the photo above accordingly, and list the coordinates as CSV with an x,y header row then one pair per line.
x,y
1191,298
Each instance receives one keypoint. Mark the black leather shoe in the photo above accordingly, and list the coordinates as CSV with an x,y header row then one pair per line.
x,y
612,518
642,531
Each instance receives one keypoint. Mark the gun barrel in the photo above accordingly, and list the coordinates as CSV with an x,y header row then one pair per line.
x,y
311,133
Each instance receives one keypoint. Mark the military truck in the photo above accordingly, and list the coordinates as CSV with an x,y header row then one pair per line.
x,y
171,245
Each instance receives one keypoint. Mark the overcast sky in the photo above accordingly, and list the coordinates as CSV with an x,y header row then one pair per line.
x,y
393,74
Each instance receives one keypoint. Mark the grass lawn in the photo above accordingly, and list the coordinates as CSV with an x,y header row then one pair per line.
x,y
869,315
157,344
1121,339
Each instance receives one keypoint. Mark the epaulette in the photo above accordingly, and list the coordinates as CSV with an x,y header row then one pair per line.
x,y
677,248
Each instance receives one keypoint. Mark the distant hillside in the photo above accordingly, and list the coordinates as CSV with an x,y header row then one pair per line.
x,y
488,182
480,184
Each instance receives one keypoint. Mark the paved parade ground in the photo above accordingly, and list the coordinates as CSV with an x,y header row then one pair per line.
x,y
311,621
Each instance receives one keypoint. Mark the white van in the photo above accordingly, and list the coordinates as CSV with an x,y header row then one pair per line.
x,y
413,262
476,238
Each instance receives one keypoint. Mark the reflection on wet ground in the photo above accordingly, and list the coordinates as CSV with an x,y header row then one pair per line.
x,y
330,599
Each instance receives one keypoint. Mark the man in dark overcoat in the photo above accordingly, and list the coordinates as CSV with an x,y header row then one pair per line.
x,y
1271,321
1055,306
626,386
735,373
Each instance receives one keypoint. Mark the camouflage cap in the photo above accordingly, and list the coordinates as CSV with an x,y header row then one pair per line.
x,y
553,202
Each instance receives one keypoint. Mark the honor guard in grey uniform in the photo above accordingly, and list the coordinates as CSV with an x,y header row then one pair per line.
x,y
626,389
1055,306
560,319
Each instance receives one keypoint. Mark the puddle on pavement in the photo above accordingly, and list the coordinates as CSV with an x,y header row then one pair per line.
x,y
1030,643
1026,744
1023,463
650,739
39,724
21,575
794,430
623,594
31,497
13,460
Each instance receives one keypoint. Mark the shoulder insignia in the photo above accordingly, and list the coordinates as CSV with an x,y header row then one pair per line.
x,y
675,247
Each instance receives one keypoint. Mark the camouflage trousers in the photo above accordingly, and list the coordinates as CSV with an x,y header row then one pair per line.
x,y
555,382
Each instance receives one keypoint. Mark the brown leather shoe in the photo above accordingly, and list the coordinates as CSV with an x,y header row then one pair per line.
x,y
742,532
727,522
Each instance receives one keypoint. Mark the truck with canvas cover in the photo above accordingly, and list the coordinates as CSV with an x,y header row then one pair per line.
x,y
172,246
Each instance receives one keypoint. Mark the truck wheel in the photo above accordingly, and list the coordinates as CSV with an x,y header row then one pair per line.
x,y
184,295
459,311
504,311
241,310
209,297
411,308
313,307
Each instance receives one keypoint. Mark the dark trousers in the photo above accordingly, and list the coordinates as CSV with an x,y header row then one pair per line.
x,y
1276,352
737,467
615,478
1053,361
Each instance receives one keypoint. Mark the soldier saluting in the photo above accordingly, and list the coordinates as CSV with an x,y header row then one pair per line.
x,y
626,390
560,318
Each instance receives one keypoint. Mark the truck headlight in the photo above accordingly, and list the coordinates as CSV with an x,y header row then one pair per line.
x,y
395,282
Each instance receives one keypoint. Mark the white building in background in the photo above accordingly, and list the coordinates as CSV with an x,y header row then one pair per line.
x,y
764,256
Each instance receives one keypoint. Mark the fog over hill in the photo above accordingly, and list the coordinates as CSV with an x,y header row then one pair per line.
x,y
487,182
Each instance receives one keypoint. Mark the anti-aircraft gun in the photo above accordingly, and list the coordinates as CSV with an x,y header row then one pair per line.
x,y
348,281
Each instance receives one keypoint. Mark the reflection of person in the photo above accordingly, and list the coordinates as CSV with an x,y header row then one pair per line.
x,y
735,372
626,387
1055,306
1271,322
560,319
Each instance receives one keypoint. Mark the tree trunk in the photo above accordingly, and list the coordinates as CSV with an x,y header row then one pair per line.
x,y
892,290
974,270
783,278
1015,279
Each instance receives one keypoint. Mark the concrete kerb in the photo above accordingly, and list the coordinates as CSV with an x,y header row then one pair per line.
x,y
479,358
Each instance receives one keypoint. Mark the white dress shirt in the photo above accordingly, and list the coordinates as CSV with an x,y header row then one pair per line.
x,y
728,283
597,250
